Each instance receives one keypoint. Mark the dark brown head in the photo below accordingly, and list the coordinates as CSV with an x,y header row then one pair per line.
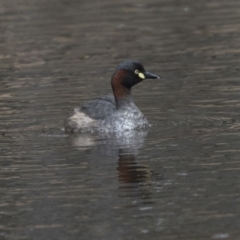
x,y
128,74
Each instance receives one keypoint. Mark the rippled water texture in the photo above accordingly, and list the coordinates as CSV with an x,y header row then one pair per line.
x,y
179,181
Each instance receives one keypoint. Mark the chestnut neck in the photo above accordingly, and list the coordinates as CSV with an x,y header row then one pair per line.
x,y
121,93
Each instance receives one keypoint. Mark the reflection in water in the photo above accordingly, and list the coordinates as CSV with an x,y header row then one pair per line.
x,y
134,178
130,171
110,144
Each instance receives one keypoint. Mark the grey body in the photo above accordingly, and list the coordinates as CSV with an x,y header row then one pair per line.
x,y
102,115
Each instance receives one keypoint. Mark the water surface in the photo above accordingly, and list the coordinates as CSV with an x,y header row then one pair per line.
x,y
179,181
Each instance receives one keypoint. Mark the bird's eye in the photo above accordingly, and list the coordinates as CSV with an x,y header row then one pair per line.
x,y
136,71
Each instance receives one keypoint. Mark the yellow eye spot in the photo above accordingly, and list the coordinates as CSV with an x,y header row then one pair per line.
x,y
136,72
141,75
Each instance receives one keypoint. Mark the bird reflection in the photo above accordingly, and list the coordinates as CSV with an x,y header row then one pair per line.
x,y
134,178
130,171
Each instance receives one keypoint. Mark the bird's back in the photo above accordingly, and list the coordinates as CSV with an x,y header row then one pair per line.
x,y
99,108
92,112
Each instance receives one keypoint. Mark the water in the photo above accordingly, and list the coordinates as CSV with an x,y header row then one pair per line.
x,y
180,180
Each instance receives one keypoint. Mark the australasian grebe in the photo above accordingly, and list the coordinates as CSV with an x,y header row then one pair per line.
x,y
113,113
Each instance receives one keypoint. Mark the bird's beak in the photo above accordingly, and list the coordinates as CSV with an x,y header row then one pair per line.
x,y
149,75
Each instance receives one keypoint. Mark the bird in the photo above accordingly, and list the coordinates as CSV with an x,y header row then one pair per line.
x,y
115,112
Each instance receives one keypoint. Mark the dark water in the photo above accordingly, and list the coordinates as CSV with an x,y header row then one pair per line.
x,y
181,181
